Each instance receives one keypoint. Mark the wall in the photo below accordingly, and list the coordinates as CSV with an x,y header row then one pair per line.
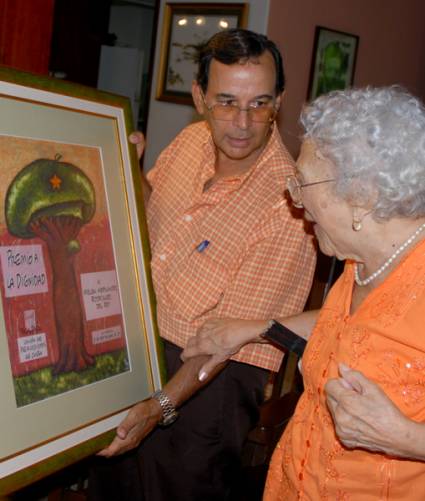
x,y
133,26
391,46
25,34
166,119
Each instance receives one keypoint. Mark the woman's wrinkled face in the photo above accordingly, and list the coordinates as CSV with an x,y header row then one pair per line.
x,y
330,215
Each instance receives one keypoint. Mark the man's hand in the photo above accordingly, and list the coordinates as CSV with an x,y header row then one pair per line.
x,y
138,139
222,338
365,417
144,416
140,421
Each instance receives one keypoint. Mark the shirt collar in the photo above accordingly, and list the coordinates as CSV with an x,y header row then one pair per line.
x,y
209,150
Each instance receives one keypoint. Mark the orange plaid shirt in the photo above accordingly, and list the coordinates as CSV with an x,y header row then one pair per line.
x,y
258,262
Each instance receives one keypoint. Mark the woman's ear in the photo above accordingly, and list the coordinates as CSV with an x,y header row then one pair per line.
x,y
197,97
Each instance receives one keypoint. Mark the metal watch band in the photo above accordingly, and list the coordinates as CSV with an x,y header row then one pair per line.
x,y
169,413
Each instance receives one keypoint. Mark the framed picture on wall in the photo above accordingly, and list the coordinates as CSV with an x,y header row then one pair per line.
x,y
78,342
333,62
186,28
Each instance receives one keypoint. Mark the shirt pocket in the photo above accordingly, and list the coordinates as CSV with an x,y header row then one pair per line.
x,y
197,285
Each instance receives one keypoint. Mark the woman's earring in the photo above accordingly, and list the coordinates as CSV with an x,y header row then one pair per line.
x,y
357,224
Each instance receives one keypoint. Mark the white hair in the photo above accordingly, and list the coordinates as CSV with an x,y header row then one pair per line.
x,y
376,139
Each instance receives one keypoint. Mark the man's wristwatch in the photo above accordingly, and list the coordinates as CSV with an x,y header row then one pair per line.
x,y
169,413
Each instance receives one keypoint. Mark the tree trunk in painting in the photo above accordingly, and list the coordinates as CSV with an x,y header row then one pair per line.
x,y
58,232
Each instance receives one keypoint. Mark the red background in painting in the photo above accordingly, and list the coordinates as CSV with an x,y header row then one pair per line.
x,y
96,255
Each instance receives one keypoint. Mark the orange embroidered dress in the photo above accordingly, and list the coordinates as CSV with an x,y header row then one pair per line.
x,y
384,339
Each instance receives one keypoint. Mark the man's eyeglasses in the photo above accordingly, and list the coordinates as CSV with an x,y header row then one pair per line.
x,y
257,111
295,189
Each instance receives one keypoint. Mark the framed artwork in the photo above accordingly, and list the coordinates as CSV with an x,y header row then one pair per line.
x,y
333,62
186,29
78,343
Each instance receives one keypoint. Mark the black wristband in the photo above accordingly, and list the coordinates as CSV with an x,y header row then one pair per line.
x,y
283,337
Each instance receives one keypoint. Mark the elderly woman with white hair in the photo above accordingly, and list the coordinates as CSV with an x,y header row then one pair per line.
x,y
358,431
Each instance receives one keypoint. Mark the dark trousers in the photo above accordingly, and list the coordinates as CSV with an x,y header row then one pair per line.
x,y
198,457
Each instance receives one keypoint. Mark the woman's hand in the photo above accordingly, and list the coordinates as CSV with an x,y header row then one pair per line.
x,y
222,338
366,418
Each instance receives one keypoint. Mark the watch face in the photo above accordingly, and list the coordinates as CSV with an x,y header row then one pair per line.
x,y
167,420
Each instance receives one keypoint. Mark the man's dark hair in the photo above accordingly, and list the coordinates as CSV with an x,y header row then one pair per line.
x,y
233,46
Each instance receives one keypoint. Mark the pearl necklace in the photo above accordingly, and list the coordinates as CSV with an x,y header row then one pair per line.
x,y
387,262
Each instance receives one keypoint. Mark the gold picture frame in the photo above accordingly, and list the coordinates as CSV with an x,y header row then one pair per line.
x,y
65,154
186,27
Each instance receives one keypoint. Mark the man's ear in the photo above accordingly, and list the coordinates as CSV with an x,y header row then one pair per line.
x,y
278,101
197,97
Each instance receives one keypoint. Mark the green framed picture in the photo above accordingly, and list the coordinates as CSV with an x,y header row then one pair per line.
x,y
333,61
78,340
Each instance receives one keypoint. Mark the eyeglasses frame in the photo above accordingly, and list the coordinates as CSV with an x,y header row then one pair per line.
x,y
211,106
300,205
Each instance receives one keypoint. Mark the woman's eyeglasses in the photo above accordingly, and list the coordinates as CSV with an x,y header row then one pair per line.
x,y
295,189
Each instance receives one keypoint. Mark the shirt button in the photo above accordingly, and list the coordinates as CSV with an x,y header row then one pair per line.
x,y
187,217
162,257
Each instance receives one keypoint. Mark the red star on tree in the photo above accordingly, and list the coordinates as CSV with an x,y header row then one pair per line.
x,y
56,182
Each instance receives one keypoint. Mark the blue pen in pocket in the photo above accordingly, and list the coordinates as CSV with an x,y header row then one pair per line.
x,y
202,246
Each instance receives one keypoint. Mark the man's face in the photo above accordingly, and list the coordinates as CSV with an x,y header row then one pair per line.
x,y
243,84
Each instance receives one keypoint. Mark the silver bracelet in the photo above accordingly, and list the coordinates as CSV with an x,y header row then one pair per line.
x,y
169,413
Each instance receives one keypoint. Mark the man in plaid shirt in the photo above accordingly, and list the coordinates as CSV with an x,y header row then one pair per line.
x,y
224,245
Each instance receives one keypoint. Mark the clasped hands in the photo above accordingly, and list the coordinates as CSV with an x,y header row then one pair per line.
x,y
221,339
